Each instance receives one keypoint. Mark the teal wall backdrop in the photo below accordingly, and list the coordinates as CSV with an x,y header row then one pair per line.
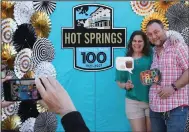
x,y
95,94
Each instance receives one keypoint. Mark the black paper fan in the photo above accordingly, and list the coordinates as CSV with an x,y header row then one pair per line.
x,y
43,50
27,109
178,17
24,37
46,6
45,122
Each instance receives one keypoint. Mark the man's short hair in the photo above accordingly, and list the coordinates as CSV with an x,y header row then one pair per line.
x,y
155,21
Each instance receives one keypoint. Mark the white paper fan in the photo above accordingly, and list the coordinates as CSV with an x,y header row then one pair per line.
x,y
23,11
8,28
23,62
28,125
142,8
10,110
45,69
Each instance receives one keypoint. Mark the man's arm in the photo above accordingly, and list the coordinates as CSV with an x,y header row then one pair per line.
x,y
183,80
183,61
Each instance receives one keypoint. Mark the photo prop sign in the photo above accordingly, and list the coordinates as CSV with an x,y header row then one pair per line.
x,y
150,77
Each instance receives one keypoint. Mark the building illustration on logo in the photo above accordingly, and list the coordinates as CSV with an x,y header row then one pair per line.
x,y
93,37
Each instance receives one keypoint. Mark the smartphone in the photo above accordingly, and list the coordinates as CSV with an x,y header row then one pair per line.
x,y
20,90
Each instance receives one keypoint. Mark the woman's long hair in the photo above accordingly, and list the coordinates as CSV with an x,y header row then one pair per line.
x,y
146,49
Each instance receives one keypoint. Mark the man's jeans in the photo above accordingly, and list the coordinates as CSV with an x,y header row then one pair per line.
x,y
172,121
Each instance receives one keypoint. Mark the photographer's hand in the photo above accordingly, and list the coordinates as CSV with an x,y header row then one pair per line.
x,y
55,96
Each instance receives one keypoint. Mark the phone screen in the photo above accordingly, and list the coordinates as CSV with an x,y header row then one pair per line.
x,y
20,90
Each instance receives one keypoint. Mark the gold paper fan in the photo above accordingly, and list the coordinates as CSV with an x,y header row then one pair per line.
x,y
7,9
152,16
11,123
41,107
162,6
8,51
42,24
29,74
186,3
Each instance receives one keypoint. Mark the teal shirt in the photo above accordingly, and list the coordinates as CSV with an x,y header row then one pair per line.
x,y
139,92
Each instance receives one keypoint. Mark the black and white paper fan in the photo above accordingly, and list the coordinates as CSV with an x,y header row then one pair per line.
x,y
45,69
23,62
23,11
45,122
45,6
24,37
185,34
28,125
178,17
8,28
10,110
43,50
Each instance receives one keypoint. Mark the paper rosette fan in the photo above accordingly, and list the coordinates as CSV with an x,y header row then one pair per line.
x,y
45,122
8,51
142,8
152,16
23,62
178,17
43,50
45,69
8,27
27,109
11,123
7,9
24,37
185,34
41,106
175,35
23,11
28,125
42,24
46,6
10,110
162,6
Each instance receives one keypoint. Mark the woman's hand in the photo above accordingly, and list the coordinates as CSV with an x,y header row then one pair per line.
x,y
129,85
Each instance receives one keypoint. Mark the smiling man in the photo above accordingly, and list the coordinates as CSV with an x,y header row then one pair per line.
x,y
169,101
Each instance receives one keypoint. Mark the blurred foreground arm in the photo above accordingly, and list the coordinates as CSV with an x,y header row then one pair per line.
x,y
58,101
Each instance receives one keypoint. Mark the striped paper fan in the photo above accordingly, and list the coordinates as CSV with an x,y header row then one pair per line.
x,y
43,50
10,110
8,27
45,6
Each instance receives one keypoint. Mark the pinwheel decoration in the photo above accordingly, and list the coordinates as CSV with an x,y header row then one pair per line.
x,y
7,9
142,8
24,37
42,24
45,6
152,16
45,122
178,17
